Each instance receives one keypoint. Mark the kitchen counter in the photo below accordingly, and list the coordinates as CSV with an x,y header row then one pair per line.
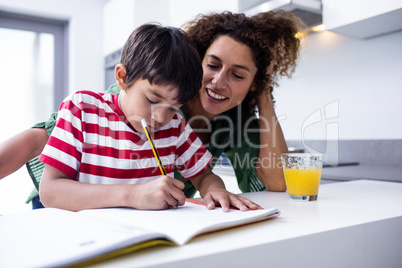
x,y
362,171
352,224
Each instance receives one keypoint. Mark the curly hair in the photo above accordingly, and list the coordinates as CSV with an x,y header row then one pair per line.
x,y
205,29
282,27
262,33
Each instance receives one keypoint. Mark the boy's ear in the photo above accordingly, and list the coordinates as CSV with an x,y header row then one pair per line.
x,y
120,75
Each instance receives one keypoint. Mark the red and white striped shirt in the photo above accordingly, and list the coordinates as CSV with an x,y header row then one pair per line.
x,y
93,143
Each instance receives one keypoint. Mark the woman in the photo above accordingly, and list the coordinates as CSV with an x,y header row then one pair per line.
x,y
242,58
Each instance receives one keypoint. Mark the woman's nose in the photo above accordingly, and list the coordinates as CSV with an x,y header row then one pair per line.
x,y
220,79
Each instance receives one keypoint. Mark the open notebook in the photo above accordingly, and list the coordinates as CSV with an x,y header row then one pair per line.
x,y
53,237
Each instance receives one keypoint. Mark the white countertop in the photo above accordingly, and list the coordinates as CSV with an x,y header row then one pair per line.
x,y
352,224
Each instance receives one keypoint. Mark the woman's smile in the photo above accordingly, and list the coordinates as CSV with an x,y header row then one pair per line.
x,y
215,97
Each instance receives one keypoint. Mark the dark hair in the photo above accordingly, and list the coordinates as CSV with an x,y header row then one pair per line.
x,y
164,56
205,29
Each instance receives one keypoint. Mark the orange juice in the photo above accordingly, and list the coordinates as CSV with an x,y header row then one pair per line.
x,y
302,181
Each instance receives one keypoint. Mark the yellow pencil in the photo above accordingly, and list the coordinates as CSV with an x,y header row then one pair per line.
x,y
151,141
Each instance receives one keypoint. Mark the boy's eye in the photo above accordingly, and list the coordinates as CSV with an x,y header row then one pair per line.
x,y
173,109
150,101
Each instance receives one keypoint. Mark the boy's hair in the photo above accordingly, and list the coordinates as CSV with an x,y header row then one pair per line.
x,y
165,56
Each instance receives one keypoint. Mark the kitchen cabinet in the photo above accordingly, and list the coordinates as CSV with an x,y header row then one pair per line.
x,y
361,18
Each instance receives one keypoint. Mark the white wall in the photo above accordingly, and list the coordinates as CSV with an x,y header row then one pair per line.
x,y
359,81
181,11
86,62
123,16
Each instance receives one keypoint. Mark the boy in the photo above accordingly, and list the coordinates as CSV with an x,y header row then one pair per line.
x,y
98,155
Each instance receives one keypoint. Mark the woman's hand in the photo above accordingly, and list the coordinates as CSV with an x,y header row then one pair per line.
x,y
265,100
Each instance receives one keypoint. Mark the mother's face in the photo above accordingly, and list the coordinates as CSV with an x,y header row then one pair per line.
x,y
229,72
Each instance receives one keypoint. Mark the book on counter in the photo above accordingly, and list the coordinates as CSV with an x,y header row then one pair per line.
x,y
52,237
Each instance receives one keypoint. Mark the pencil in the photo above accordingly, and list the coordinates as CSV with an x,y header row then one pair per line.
x,y
151,141
158,159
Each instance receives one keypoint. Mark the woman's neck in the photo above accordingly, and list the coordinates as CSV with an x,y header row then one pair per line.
x,y
198,119
195,113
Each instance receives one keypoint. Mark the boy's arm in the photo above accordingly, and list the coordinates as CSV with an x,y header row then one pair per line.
x,y
213,190
21,148
60,191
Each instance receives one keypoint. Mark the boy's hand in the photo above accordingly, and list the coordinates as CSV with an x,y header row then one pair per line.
x,y
161,193
227,200
213,190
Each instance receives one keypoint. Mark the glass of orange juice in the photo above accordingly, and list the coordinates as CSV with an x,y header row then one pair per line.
x,y
302,175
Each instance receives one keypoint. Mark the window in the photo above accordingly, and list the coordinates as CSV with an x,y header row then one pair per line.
x,y
33,83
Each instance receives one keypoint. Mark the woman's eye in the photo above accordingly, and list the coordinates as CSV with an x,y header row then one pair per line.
x,y
152,102
238,76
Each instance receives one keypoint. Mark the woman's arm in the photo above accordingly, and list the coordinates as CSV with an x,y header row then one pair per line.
x,y
272,140
60,191
273,144
21,148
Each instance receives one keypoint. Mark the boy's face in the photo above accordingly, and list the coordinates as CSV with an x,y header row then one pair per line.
x,y
142,100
